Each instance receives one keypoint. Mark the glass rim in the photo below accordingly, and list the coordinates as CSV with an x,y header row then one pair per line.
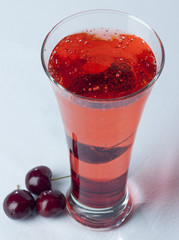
x,y
100,99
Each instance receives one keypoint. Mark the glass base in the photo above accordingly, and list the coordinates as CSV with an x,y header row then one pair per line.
x,y
100,218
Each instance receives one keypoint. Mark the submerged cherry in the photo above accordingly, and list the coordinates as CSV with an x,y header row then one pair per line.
x,y
19,204
50,203
38,179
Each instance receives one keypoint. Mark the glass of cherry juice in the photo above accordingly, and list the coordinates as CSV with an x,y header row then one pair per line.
x,y
102,65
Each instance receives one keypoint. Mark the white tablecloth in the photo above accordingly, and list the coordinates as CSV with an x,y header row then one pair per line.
x,y
31,131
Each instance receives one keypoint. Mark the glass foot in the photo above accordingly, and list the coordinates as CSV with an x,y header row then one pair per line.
x,y
100,218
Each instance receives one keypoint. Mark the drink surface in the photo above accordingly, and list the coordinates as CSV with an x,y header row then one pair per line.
x,y
102,64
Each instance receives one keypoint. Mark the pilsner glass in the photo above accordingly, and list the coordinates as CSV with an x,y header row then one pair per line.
x,y
100,132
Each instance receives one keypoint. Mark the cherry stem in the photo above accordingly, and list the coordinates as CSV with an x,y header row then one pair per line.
x,y
17,187
53,179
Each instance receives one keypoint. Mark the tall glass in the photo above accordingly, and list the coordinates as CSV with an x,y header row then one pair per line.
x,y
100,132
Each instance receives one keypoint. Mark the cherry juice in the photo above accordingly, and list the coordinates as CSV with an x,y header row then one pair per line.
x,y
100,67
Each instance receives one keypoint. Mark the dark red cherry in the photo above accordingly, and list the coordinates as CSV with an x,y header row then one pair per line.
x,y
38,179
50,203
19,204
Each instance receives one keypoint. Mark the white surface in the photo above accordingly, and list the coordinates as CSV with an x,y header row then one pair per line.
x,y
31,131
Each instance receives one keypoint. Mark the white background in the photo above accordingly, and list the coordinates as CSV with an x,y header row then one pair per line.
x,y
31,131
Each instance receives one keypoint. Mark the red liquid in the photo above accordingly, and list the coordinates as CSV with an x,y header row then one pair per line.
x,y
94,67
100,137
